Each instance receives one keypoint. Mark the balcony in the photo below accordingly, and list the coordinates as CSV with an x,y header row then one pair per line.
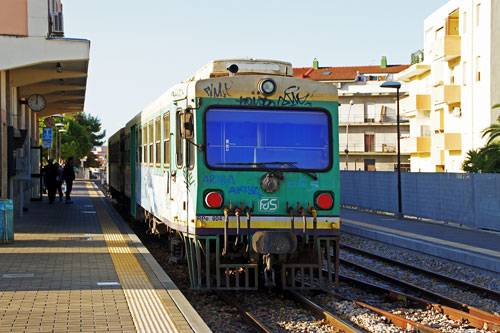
x,y
448,94
413,70
446,48
448,141
416,145
413,103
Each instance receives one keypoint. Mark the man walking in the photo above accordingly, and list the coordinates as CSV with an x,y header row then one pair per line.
x,y
50,177
69,177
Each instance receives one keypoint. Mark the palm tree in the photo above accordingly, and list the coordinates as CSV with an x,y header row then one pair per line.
x,y
486,159
491,152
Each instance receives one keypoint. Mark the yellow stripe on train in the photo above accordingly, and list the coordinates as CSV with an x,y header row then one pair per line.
x,y
298,224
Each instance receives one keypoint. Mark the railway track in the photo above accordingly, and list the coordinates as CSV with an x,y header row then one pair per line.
x,y
452,308
466,286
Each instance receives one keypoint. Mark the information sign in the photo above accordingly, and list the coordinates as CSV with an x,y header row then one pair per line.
x,y
47,137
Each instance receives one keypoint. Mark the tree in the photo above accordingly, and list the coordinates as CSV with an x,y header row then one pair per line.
x,y
486,159
83,133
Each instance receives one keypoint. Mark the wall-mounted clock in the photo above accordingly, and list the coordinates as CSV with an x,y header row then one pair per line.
x,y
37,102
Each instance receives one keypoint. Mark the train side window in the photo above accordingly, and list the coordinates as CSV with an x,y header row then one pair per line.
x,y
158,141
145,143
166,140
178,140
139,145
150,141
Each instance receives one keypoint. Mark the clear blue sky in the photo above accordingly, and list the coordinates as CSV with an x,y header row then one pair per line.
x,y
139,49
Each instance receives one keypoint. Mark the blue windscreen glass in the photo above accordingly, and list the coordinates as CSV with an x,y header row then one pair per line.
x,y
248,138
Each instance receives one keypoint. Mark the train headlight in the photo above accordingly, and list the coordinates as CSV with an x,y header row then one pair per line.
x,y
213,199
323,200
267,86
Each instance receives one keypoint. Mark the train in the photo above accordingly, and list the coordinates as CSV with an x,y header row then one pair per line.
x,y
238,168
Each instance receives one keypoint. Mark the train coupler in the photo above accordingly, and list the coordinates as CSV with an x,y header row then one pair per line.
x,y
269,270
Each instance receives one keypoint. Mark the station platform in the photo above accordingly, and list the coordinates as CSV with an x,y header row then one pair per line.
x,y
477,248
78,267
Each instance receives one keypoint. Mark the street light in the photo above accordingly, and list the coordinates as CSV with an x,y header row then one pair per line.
x,y
346,150
59,141
58,125
397,85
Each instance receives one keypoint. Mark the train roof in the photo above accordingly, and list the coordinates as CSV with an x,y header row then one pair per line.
x,y
218,68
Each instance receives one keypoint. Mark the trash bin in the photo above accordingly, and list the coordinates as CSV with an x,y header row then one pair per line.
x,y
6,221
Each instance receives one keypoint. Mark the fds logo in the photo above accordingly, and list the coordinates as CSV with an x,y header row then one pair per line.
x,y
269,204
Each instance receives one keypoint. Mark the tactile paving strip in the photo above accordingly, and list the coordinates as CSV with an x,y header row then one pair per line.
x,y
148,311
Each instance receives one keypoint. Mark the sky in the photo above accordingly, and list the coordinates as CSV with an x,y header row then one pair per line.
x,y
139,49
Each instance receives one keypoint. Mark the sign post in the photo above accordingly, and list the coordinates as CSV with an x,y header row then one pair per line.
x,y
47,137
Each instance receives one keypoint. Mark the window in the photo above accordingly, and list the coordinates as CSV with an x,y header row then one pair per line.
x,y
250,138
150,142
145,143
369,142
369,112
178,140
166,140
138,144
158,141
370,165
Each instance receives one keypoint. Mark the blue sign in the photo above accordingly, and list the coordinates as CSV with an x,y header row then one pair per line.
x,y
47,137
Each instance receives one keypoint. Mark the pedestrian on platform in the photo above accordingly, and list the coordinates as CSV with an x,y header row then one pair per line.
x,y
50,177
69,177
59,180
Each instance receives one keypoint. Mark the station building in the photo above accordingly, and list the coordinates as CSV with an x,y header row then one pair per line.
x,y
453,85
42,73
367,114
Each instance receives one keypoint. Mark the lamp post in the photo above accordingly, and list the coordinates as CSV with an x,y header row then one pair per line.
x,y
60,143
397,85
346,150
58,126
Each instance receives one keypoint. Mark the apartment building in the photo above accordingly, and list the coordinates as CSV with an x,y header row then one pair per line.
x,y
453,88
42,73
367,114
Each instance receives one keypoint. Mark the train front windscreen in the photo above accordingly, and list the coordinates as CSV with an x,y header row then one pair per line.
x,y
254,138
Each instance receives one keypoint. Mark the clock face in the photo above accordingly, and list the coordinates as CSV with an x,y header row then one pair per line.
x,y
37,102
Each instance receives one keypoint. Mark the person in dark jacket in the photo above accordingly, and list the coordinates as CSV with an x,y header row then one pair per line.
x,y
69,177
50,177
59,180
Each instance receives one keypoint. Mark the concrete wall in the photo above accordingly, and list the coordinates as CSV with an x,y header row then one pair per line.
x,y
14,17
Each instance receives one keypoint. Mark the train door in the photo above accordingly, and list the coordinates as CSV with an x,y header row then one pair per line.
x,y
133,165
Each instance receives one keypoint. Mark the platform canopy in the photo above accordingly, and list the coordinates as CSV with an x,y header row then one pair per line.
x,y
55,68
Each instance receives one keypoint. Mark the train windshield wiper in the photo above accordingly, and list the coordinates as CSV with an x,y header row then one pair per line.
x,y
265,164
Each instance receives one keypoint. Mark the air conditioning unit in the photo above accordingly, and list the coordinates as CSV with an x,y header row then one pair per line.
x,y
58,22
457,112
338,85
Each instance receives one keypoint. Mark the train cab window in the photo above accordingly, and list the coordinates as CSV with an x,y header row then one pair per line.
x,y
250,138
178,140
158,141
166,140
150,142
145,143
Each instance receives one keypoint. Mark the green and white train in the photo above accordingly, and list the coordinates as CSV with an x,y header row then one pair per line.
x,y
239,166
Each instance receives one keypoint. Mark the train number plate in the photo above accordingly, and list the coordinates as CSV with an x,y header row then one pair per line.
x,y
269,204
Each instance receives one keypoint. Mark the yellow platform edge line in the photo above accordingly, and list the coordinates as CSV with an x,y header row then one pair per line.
x,y
150,314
